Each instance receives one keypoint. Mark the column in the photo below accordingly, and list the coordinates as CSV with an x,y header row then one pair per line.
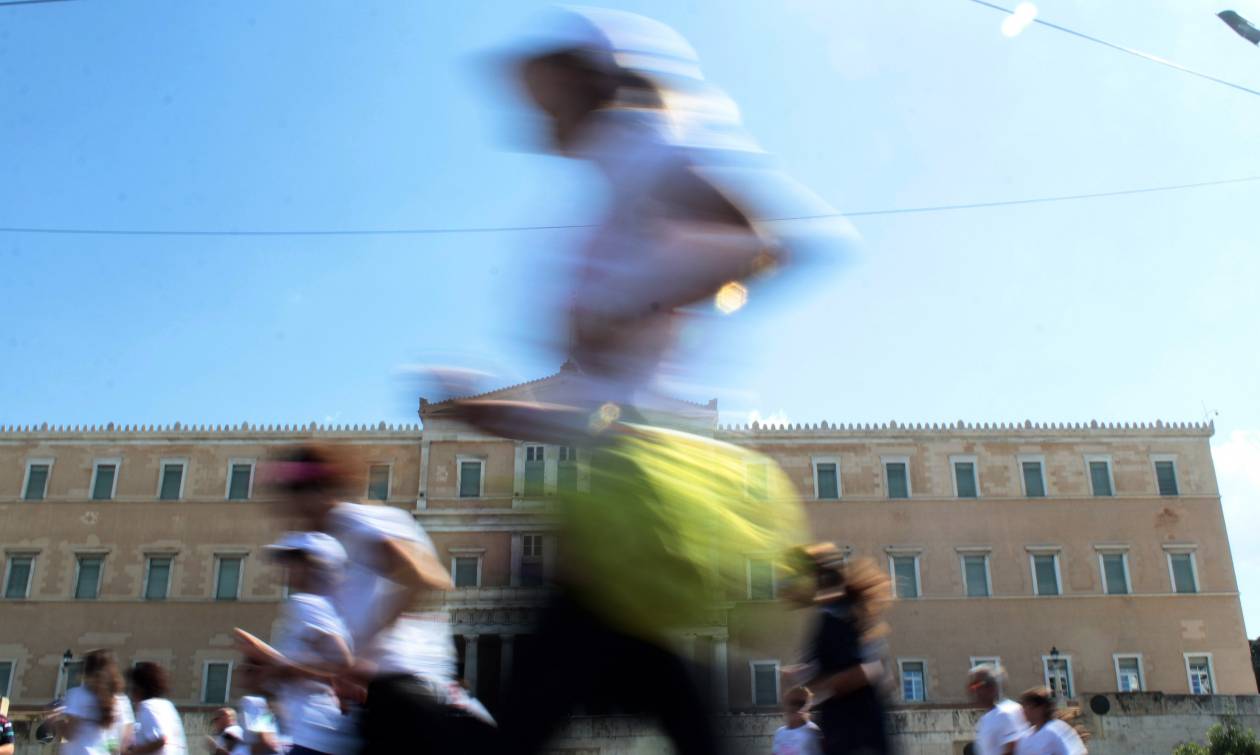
x,y
505,661
470,662
721,690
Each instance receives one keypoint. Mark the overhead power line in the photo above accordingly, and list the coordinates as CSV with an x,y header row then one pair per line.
x,y
1129,50
571,226
32,2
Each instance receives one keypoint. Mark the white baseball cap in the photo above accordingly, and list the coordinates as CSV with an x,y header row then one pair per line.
x,y
321,548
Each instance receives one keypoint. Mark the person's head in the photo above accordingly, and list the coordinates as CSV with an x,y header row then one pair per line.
x,y
315,561
148,680
1039,705
815,574
984,684
222,718
311,480
796,706
101,678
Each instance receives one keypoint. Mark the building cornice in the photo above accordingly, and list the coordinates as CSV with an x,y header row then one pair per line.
x,y
1025,429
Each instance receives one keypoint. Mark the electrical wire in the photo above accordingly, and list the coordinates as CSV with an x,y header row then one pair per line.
x,y
32,2
1129,50
572,226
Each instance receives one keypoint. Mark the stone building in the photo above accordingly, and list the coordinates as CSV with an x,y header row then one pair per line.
x,y
1093,558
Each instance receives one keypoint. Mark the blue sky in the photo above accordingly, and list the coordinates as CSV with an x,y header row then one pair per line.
x,y
280,115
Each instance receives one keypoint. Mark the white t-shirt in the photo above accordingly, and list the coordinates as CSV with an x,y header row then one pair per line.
x,y
803,740
90,737
311,713
1055,738
419,644
256,720
232,739
1003,724
158,719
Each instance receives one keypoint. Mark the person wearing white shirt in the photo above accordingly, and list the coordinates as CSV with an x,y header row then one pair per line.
x,y
1002,724
798,735
1050,735
97,718
159,728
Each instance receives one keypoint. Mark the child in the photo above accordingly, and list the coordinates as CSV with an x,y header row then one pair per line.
x,y
312,646
799,735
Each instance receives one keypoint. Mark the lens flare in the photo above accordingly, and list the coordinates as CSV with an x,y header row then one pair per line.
x,y
730,298
1020,19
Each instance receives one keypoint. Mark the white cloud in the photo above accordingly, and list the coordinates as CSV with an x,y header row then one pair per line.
x,y
1237,458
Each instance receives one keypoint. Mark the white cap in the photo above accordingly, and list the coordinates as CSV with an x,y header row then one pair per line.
x,y
616,40
321,548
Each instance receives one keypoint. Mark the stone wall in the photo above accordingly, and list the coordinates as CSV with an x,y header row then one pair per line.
x,y
1134,724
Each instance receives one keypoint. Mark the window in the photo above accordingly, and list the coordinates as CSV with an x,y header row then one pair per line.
x,y
470,478
531,560
905,571
826,479
1100,482
72,673
1182,571
765,682
566,472
216,682
1045,572
1166,476
913,681
35,486
157,577
1115,573
1058,674
965,485
171,480
17,576
6,677
535,471
897,476
1199,672
466,571
1128,673
985,660
240,480
1033,470
378,482
760,579
227,577
104,480
976,575
87,578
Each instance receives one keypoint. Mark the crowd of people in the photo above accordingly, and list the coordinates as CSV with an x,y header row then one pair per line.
x,y
362,659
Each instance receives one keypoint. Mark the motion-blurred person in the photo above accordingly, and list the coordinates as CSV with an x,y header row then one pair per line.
x,y
1050,735
798,735
843,662
226,737
405,660
8,739
312,646
97,718
259,726
159,728
1002,724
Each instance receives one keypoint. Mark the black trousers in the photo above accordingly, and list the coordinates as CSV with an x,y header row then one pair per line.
x,y
403,714
577,658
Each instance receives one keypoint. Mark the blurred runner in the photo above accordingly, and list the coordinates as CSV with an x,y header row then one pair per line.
x,y
1050,734
798,735
404,661
159,728
843,663
312,646
97,718
227,738
682,226
1003,724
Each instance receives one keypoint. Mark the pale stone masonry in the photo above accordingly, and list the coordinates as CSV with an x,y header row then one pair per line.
x,y
1093,555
